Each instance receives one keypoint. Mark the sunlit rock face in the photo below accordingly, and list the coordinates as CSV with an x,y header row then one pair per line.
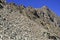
x,y
28,23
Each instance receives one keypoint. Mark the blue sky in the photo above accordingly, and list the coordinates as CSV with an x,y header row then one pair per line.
x,y
54,5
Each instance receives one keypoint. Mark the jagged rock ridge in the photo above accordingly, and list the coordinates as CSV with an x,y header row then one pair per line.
x,y
21,23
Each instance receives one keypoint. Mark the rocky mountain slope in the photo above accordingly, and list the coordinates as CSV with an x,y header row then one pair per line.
x,y
27,23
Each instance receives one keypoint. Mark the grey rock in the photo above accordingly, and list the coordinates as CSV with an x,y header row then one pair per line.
x,y
28,23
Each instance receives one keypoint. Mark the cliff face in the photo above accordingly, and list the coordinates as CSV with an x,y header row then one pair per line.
x,y
21,23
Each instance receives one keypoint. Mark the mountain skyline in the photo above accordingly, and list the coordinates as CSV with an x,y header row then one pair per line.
x,y
28,23
54,5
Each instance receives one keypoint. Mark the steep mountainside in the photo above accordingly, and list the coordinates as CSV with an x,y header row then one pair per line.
x,y
27,23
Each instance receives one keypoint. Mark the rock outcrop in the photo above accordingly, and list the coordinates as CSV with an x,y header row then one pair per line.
x,y
27,23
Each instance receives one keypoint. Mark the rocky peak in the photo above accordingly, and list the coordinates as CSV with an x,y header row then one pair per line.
x,y
28,23
45,7
20,7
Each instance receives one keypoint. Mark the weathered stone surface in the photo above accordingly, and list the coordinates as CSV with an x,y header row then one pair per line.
x,y
21,23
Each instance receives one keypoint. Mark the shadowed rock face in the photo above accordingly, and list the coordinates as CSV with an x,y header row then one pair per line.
x,y
2,1
1,6
27,23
